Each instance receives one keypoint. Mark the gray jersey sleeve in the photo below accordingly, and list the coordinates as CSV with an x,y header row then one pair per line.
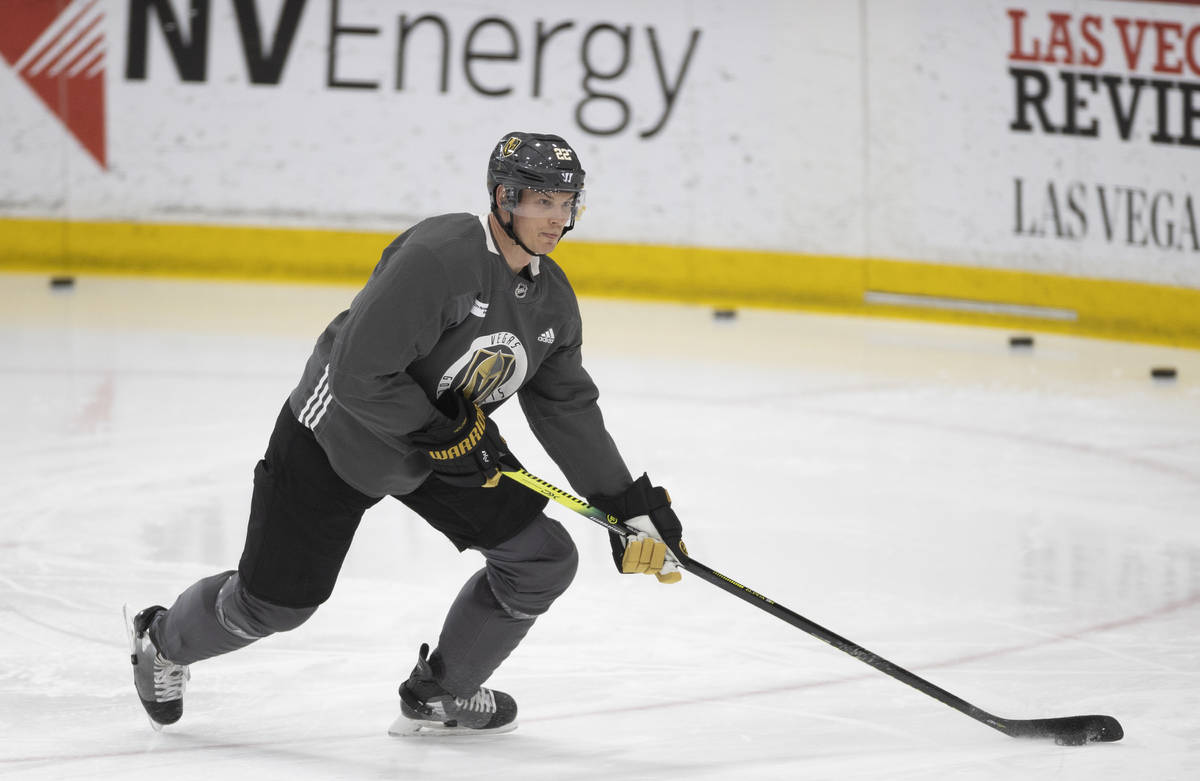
x,y
560,403
396,319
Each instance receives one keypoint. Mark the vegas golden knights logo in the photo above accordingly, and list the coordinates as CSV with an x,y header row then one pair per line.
x,y
510,146
490,370
487,371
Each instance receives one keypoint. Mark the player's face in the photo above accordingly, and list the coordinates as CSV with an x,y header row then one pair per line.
x,y
540,217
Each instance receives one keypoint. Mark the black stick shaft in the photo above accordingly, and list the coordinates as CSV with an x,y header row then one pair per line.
x,y
762,602
1067,730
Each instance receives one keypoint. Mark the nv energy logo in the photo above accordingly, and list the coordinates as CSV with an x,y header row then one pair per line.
x,y
57,48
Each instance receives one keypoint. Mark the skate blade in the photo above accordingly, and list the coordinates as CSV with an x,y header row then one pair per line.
x,y
404,727
129,633
132,635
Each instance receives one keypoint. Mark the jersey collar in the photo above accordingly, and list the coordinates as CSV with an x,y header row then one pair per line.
x,y
491,245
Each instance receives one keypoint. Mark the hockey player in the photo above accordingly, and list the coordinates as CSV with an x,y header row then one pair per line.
x,y
461,313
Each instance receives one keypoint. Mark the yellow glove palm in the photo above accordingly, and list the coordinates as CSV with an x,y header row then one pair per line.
x,y
647,554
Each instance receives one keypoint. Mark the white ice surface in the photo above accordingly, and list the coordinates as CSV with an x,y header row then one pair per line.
x,y
1020,527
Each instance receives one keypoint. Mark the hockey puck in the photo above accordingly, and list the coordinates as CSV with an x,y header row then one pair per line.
x,y
1163,372
1020,340
724,314
1072,739
62,283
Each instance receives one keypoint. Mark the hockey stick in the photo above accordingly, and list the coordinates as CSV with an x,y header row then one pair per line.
x,y
1066,731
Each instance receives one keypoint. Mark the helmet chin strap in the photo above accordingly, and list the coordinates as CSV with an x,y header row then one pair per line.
x,y
508,230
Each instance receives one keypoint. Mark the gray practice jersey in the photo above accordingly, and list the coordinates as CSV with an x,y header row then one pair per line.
x,y
442,311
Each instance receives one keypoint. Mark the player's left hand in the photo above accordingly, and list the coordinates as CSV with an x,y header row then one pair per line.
x,y
647,510
647,552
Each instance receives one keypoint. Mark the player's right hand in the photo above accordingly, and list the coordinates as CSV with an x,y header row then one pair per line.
x,y
467,448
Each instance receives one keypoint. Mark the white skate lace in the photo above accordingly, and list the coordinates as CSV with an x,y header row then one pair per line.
x,y
483,701
169,679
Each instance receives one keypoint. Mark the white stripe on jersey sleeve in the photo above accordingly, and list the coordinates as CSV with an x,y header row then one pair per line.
x,y
318,399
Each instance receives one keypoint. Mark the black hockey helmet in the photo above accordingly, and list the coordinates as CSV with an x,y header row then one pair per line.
x,y
537,161
534,161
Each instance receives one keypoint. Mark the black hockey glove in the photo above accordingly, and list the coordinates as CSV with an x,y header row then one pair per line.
x,y
467,448
647,510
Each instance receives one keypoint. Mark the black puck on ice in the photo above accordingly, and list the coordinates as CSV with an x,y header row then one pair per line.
x,y
1072,738
62,283
1163,372
724,314
1021,340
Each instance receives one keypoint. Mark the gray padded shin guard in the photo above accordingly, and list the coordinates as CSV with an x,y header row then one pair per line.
x,y
190,630
497,607
477,636
217,615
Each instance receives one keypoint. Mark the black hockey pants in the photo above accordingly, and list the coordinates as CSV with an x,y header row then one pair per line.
x,y
302,520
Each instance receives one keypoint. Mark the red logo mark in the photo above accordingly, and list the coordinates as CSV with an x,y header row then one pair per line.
x,y
57,47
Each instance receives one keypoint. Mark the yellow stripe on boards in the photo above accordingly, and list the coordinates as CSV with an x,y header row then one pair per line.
x,y
1104,308
205,251
719,277
715,276
1079,306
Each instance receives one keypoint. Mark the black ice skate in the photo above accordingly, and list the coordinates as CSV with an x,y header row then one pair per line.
x,y
160,683
428,709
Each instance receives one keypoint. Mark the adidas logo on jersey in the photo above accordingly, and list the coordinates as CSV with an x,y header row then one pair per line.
x,y
547,336
479,308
